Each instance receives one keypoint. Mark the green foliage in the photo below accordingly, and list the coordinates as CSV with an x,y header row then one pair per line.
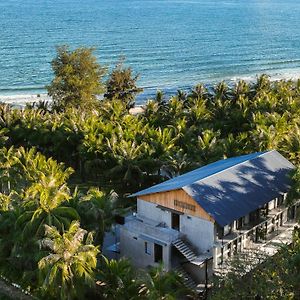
x,y
70,264
35,195
125,152
110,149
96,210
118,280
121,85
77,80
294,192
164,286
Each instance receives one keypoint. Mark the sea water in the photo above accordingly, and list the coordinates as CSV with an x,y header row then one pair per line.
x,y
171,43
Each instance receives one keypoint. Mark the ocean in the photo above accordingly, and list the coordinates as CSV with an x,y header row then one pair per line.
x,y
172,44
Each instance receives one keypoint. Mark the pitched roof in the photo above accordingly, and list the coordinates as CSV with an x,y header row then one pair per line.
x,y
231,188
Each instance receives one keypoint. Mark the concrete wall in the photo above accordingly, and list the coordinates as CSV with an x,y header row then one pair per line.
x,y
199,232
151,211
198,273
272,204
133,248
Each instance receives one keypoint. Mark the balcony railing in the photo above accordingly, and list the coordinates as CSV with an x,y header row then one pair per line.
x,y
255,237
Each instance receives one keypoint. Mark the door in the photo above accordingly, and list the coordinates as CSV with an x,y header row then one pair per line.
x,y
175,221
158,253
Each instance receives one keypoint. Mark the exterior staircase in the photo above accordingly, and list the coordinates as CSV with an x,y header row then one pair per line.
x,y
185,250
188,281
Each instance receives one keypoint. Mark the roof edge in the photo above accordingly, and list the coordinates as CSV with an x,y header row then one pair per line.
x,y
243,162
182,188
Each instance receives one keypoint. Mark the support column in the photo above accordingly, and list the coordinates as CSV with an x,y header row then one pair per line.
x,y
215,257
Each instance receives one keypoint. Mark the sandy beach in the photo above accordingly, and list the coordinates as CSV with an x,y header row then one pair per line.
x,y
21,100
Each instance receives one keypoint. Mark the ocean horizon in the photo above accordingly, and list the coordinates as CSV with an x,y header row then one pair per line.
x,y
172,44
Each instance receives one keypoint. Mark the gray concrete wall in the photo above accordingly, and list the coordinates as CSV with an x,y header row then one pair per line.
x,y
133,248
151,211
198,273
271,204
199,232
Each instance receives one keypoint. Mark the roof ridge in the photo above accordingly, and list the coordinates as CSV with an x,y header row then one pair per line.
x,y
261,154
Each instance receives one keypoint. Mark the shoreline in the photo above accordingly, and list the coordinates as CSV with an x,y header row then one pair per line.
x,y
20,100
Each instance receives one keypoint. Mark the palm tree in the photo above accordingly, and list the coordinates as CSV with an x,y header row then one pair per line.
x,y
8,116
198,112
234,145
208,146
182,97
117,280
199,92
241,89
290,144
263,83
8,169
129,159
3,136
159,99
270,130
161,285
42,193
176,164
175,108
294,192
71,263
42,205
96,210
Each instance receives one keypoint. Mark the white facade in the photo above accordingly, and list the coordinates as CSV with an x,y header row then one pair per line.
x,y
199,232
234,193
147,237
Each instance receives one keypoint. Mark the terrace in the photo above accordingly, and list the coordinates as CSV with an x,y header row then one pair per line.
x,y
265,237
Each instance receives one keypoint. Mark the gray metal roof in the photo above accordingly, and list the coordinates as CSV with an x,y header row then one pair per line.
x,y
198,174
232,188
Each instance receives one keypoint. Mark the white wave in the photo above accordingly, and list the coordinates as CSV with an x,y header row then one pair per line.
x,y
287,74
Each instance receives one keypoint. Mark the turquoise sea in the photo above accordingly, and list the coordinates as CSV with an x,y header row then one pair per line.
x,y
170,43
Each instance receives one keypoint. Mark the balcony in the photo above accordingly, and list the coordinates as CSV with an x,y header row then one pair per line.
x,y
265,237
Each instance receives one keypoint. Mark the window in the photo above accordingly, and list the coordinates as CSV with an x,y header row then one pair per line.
x,y
147,248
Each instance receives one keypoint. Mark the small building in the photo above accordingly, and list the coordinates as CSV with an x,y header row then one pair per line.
x,y
194,222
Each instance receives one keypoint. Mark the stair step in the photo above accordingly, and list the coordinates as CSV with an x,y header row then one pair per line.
x,y
188,281
187,252
189,255
183,248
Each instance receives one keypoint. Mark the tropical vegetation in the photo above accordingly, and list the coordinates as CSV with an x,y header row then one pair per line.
x,y
66,169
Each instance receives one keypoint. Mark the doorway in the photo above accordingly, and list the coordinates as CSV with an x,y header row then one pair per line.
x,y
175,224
158,253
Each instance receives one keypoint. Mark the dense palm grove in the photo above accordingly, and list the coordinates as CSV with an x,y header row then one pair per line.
x,y
66,170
